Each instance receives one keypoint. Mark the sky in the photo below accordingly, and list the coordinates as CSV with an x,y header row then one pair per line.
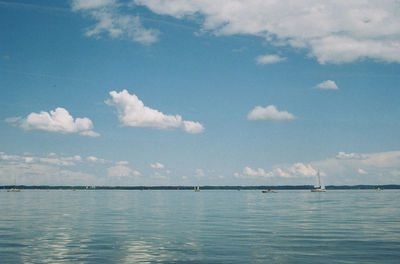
x,y
179,92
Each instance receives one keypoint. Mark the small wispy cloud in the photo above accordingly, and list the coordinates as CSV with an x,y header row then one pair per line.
x,y
327,85
361,171
112,21
269,59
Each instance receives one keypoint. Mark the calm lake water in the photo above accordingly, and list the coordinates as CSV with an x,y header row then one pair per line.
x,y
206,227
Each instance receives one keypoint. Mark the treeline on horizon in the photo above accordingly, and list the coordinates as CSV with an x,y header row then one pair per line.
x,y
207,187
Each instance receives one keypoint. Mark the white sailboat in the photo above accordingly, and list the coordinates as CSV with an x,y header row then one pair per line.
x,y
319,187
15,186
197,189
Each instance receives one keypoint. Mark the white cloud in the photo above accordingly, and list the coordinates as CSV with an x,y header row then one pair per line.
x,y
344,155
133,112
269,113
327,85
297,170
269,59
302,170
29,159
381,160
253,173
371,168
111,19
89,133
59,169
4,156
193,127
63,161
59,121
90,4
157,165
92,158
31,170
330,31
136,173
122,171
361,171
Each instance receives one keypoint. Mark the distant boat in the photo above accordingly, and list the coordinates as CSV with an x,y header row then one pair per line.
x,y
319,187
379,189
268,191
197,189
13,190
15,186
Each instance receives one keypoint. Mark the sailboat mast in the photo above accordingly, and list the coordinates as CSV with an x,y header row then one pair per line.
x,y
319,179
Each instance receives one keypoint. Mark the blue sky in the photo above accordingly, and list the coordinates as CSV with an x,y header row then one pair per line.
x,y
107,92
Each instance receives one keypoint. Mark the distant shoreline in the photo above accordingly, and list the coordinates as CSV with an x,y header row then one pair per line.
x,y
206,187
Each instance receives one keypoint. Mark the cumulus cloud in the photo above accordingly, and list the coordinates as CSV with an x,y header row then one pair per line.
x,y
390,159
303,170
132,112
192,127
157,165
247,171
269,113
59,121
362,168
122,171
29,159
327,85
48,170
297,170
7,157
111,20
330,31
61,161
60,169
269,59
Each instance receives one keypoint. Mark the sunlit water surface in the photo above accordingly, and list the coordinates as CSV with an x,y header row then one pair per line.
x,y
205,227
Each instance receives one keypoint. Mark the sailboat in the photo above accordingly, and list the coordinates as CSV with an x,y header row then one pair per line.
x,y
319,187
197,189
15,186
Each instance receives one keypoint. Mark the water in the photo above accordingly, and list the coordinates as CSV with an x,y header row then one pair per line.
x,y
206,227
